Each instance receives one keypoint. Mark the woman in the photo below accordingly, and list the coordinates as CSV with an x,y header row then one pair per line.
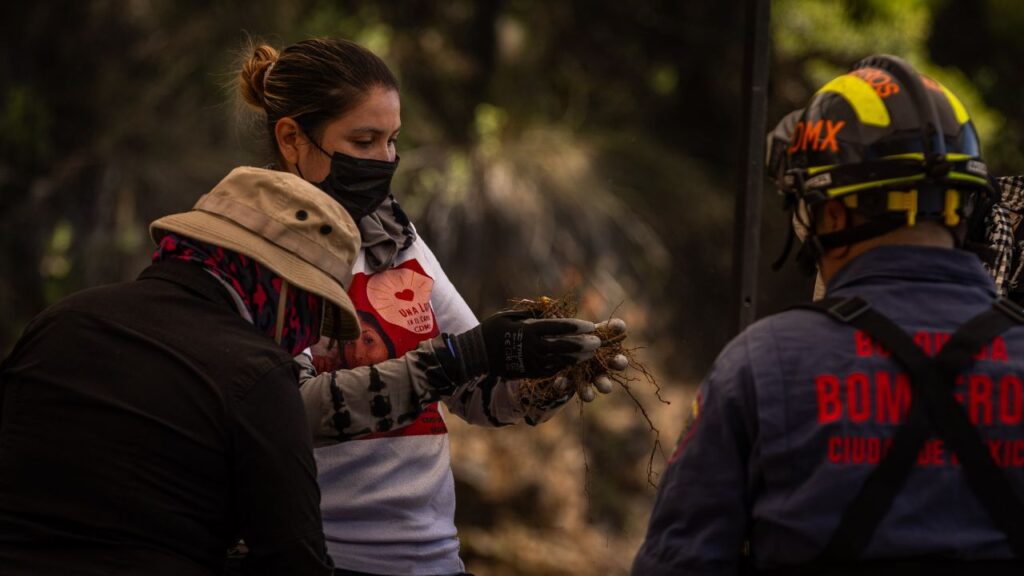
x,y
372,347
332,112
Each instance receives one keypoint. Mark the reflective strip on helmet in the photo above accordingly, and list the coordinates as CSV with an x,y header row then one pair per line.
x,y
905,156
978,168
951,156
961,177
820,181
862,98
953,176
840,190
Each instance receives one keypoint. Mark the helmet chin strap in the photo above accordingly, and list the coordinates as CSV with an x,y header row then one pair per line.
x,y
808,257
801,227
281,301
816,245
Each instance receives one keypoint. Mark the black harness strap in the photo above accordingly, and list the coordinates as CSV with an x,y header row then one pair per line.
x,y
933,407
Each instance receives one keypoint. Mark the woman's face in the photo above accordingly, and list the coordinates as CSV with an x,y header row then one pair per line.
x,y
369,349
367,131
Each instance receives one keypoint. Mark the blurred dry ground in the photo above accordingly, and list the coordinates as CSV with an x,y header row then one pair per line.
x,y
568,497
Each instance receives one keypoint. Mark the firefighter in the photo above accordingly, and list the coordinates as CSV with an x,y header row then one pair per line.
x,y
878,430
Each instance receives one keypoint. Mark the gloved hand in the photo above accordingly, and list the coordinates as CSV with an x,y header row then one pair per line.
x,y
516,344
618,363
613,330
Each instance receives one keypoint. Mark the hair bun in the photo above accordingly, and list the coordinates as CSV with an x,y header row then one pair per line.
x,y
252,79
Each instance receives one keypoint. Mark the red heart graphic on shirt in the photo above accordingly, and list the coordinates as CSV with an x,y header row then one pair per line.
x,y
402,297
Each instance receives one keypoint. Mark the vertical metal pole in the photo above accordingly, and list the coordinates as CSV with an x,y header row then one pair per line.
x,y
747,241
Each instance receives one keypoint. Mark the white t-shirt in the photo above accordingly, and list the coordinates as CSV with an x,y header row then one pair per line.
x,y
388,499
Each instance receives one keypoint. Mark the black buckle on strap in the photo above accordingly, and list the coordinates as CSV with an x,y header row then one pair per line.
x,y
849,309
1010,308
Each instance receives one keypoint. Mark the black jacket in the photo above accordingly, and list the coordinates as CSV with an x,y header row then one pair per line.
x,y
144,428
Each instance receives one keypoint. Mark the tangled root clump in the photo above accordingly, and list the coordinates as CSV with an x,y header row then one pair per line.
x,y
579,377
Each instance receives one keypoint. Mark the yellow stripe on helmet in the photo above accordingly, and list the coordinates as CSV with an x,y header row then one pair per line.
x,y
954,176
862,97
958,107
961,177
841,190
950,156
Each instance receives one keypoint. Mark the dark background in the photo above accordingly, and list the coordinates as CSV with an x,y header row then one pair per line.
x,y
584,147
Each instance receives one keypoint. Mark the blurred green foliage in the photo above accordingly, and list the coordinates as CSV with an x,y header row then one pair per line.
x,y
824,37
547,146
113,113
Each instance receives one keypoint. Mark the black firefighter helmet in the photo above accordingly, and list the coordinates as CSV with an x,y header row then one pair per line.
x,y
893,145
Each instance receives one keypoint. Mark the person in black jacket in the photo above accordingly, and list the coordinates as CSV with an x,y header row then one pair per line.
x,y
146,426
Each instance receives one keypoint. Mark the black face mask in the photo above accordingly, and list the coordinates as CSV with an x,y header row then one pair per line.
x,y
360,185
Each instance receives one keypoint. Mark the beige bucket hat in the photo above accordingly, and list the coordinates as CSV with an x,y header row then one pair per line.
x,y
285,223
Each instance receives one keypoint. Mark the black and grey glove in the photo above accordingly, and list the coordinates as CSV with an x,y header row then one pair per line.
x,y
516,344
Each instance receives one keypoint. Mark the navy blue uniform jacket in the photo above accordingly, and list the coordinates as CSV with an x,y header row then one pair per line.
x,y
798,409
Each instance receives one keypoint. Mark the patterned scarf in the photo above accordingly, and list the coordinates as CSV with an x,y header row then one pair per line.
x,y
385,233
1008,250
257,286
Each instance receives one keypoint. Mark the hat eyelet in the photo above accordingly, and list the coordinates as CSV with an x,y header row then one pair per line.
x,y
326,229
301,215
